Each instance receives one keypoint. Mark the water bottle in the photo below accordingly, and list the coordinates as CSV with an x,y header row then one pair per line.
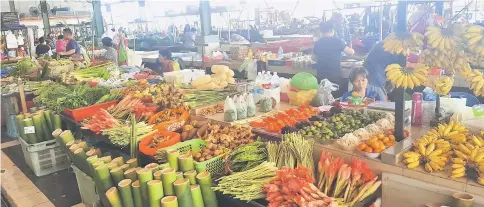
x,y
280,52
275,80
417,109
258,79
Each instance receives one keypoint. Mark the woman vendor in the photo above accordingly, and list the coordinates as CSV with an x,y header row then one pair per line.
x,y
359,79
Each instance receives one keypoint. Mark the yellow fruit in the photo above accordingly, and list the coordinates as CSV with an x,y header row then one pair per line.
x,y
458,170
413,165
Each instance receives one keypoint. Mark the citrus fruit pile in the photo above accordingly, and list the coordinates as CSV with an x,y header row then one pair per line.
x,y
380,141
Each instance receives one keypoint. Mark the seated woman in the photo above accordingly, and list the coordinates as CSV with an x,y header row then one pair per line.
x,y
111,53
358,78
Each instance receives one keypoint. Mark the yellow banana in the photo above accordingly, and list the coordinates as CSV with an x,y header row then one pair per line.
x,y
413,165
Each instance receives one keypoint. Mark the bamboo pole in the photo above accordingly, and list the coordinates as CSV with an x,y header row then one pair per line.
x,y
173,159
126,193
113,197
144,175
135,187
168,176
196,196
205,181
191,176
155,191
169,201
185,162
183,193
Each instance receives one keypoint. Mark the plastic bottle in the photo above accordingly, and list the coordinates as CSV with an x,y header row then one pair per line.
x,y
275,80
258,79
280,52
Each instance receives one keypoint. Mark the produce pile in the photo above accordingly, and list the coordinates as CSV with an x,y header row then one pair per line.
x,y
230,136
37,126
288,118
291,151
351,183
208,152
120,134
129,105
294,187
124,183
247,156
28,86
24,67
197,98
222,77
380,141
452,143
194,129
103,71
56,96
100,121
169,97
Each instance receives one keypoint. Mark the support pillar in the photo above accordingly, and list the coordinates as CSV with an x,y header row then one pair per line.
x,y
98,24
45,17
400,92
11,3
205,17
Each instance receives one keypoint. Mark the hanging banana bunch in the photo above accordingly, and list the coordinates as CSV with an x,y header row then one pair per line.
x,y
400,43
475,41
407,77
443,85
476,78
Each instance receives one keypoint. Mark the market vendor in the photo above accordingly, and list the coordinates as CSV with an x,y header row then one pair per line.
x,y
42,48
166,61
361,88
72,48
111,53
327,54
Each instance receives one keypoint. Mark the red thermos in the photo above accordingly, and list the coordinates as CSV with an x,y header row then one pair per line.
x,y
417,109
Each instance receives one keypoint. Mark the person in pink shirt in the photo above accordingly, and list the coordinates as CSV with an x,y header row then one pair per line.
x,y
60,44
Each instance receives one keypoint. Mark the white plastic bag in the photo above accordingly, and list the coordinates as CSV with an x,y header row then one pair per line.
x,y
251,108
230,111
323,96
241,108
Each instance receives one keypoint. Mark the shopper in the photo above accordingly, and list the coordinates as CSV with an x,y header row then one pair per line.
x,y
72,48
60,44
189,38
341,30
370,93
327,54
42,48
166,61
111,53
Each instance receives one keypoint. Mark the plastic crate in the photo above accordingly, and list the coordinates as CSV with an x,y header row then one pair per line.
x,y
87,188
215,166
88,111
45,157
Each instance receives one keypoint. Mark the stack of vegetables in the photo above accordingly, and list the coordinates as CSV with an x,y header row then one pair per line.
x,y
293,150
57,97
99,71
294,187
349,183
222,77
288,118
196,98
37,127
129,105
247,156
171,184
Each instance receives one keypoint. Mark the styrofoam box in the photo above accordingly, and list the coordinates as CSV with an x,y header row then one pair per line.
x,y
87,188
45,157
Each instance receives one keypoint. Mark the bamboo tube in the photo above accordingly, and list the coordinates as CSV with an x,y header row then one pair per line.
x,y
69,144
196,196
106,159
124,167
135,187
118,160
47,132
73,148
173,159
97,164
66,136
168,176
91,152
104,178
169,201
144,175
152,166
20,125
191,176
131,174
113,197
83,145
56,134
117,174
111,165
32,137
205,181
185,162
98,152
48,117
179,175
183,193
157,175
155,191
164,166
91,160
80,160
39,129
126,193
57,122
133,162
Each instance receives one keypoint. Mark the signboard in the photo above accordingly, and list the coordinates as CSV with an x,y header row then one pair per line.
x,y
9,18
352,6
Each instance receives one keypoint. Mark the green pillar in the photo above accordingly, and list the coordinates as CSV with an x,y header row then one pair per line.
x,y
205,17
45,17
97,19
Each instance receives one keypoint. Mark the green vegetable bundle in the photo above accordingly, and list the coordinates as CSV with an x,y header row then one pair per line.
x,y
195,98
293,150
24,67
248,185
248,156
120,135
98,71
43,122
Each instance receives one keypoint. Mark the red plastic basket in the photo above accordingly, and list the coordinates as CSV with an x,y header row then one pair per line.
x,y
88,111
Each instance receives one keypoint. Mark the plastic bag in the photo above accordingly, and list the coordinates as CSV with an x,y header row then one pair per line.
x,y
251,108
323,96
429,94
266,104
241,108
230,111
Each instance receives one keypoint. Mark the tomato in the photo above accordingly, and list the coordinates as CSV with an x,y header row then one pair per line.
x,y
272,127
258,124
291,112
282,115
280,123
269,119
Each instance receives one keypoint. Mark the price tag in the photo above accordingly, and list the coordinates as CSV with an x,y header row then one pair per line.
x,y
29,130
